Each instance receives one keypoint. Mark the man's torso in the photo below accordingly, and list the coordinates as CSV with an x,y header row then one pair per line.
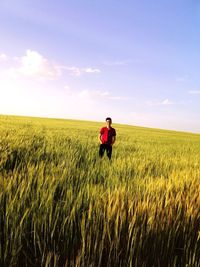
x,y
107,135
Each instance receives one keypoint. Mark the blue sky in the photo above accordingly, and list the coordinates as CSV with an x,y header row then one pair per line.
x,y
136,61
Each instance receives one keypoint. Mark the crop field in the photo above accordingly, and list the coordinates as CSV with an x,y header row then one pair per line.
x,y
61,205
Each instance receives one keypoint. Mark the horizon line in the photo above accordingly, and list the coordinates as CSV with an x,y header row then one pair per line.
x,y
88,120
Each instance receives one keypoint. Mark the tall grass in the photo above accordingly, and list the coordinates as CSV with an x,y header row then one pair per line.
x,y
60,205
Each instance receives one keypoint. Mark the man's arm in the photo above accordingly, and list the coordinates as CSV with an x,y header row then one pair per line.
x,y
100,138
100,135
113,139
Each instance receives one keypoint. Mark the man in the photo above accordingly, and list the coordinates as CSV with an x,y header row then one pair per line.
x,y
107,138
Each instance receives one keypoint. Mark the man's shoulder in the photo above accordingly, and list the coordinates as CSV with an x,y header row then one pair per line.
x,y
113,131
103,129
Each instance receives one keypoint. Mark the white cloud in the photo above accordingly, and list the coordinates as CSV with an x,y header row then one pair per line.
x,y
90,70
67,87
166,102
3,57
35,65
194,92
31,65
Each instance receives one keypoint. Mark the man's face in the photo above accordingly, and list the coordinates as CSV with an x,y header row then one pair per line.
x,y
108,122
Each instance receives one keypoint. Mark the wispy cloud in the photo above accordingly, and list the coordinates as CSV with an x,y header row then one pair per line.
x,y
117,62
194,92
120,97
94,94
76,71
100,94
164,120
164,102
182,79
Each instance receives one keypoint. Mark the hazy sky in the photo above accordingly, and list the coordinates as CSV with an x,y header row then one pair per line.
x,y
136,61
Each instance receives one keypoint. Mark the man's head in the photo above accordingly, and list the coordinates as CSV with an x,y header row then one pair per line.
x,y
108,121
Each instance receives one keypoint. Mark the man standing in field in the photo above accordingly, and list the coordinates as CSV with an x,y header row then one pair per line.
x,y
107,138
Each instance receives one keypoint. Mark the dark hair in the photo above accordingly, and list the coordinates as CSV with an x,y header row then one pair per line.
x,y
108,118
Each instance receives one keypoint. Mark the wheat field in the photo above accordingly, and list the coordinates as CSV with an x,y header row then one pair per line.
x,y
61,205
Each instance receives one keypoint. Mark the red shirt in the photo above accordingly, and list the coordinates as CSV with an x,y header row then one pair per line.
x,y
107,134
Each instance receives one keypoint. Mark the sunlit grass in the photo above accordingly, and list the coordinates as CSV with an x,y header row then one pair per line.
x,y
60,205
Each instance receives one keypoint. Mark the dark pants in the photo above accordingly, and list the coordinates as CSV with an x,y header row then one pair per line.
x,y
108,149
